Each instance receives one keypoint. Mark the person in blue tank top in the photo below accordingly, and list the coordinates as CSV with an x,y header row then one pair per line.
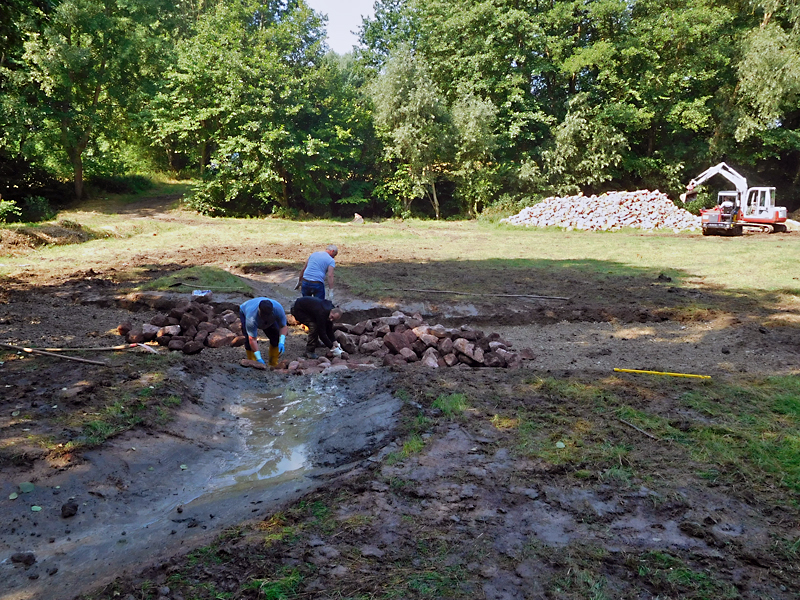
x,y
318,266
268,315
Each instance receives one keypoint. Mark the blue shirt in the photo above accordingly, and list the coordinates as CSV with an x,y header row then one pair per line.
x,y
252,322
317,268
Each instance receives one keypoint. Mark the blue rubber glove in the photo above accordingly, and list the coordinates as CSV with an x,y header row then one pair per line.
x,y
282,344
259,359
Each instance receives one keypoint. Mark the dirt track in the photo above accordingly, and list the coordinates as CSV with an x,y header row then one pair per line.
x,y
469,513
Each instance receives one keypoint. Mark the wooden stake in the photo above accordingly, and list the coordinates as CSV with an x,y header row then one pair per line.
x,y
32,351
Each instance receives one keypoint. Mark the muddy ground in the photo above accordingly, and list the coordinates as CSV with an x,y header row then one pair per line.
x,y
369,489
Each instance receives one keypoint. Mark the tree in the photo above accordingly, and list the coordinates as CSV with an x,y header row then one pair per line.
x,y
413,119
86,66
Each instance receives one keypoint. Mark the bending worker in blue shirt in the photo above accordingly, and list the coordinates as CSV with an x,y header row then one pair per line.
x,y
318,266
269,316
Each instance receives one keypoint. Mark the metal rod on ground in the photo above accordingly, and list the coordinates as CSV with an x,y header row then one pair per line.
x,y
96,349
637,429
663,373
475,294
32,351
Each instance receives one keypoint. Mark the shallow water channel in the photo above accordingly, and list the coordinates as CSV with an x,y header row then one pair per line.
x,y
143,497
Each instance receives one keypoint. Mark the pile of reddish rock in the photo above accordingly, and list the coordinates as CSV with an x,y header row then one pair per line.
x,y
188,327
401,339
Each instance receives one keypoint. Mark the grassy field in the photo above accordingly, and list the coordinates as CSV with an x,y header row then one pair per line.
x,y
754,262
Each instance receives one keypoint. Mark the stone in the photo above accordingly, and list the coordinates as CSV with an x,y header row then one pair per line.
x,y
193,347
493,345
492,359
253,364
169,330
526,354
206,326
335,368
24,558
395,341
390,321
163,340
408,354
429,340
468,334
419,347
371,346
431,358
421,330
230,318
201,336
439,331
359,328
413,322
188,320
160,320
176,344
124,328
445,346
410,336
220,338
191,332
451,360
382,330
135,336
69,509
463,346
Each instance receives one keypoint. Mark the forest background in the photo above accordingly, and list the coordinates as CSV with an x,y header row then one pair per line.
x,y
446,108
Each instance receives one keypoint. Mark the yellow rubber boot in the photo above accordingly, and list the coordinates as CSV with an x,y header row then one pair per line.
x,y
274,355
250,355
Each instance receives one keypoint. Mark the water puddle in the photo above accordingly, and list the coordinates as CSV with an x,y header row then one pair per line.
x,y
146,494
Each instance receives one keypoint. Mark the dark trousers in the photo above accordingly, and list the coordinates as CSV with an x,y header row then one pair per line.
x,y
313,337
313,288
272,332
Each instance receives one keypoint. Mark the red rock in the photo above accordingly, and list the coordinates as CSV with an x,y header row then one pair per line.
x,y
220,338
430,361
408,354
238,341
410,336
381,352
163,340
191,332
439,331
371,346
419,347
201,336
160,320
492,359
526,354
253,364
135,336
359,328
463,346
395,341
451,360
176,344
169,330
206,326
400,328
124,328
421,330
230,318
149,331
412,323
445,346
429,340
382,330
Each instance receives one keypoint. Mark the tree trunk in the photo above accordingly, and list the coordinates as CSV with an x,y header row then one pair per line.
x,y
435,199
77,167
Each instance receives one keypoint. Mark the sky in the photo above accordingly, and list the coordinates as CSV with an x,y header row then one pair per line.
x,y
344,16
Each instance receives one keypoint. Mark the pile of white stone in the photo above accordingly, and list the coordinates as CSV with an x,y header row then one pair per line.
x,y
643,209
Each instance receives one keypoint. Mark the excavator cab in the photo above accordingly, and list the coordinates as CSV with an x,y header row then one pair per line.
x,y
760,201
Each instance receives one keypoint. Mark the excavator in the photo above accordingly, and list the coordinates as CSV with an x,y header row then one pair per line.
x,y
739,208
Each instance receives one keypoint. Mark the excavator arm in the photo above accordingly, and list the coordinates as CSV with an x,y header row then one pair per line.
x,y
727,172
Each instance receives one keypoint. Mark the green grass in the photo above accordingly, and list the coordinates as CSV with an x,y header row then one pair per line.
x,y
199,277
451,405
502,252
667,571
284,585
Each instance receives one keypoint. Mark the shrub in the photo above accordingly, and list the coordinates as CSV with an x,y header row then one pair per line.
x,y
37,208
9,211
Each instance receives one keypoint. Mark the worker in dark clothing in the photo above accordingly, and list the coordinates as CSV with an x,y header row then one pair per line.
x,y
318,315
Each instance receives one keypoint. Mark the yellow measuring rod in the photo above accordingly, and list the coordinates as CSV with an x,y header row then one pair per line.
x,y
663,373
